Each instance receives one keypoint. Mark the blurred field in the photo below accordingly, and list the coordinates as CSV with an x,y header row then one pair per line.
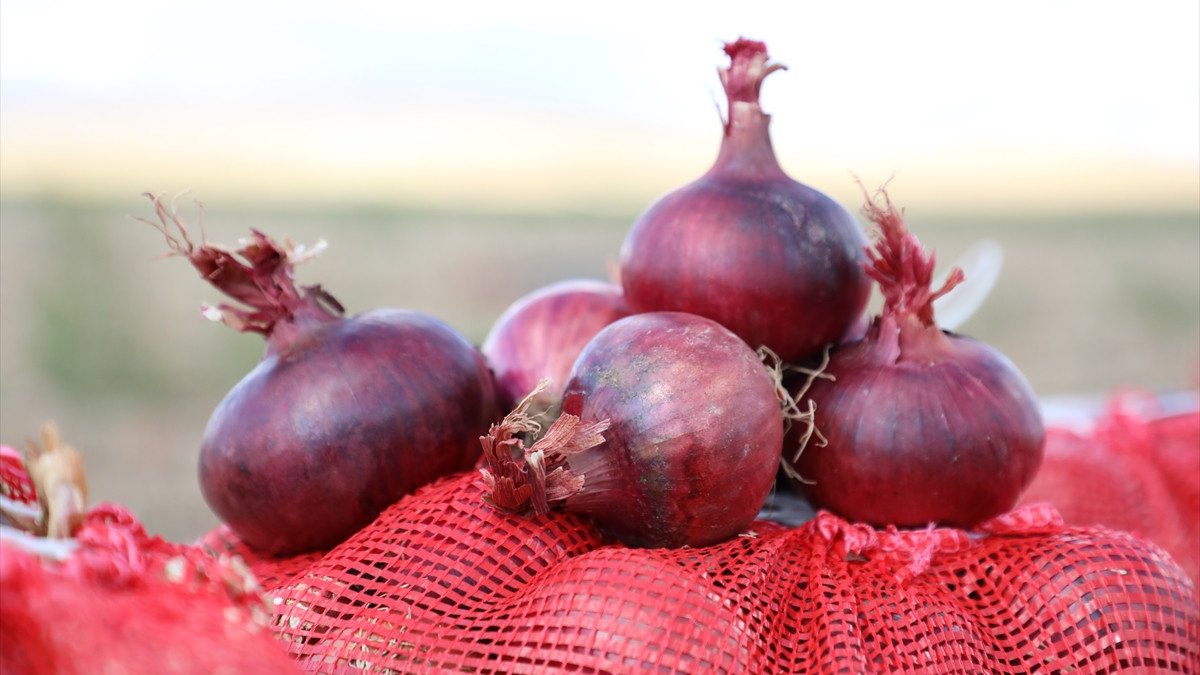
x,y
99,335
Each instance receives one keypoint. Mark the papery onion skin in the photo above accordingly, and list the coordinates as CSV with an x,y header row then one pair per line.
x,y
777,262
920,425
541,334
695,430
342,416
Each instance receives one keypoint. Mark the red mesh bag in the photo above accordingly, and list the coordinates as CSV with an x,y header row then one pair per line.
x,y
13,477
115,600
442,582
1136,468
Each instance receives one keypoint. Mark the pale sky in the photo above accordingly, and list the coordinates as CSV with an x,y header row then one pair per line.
x,y
553,104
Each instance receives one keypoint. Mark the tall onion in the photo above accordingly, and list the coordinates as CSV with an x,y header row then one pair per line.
x,y
777,262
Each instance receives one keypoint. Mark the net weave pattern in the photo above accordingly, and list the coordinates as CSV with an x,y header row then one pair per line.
x,y
126,602
441,582
1136,469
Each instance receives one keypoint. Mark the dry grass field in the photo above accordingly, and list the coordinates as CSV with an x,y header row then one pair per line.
x,y
102,336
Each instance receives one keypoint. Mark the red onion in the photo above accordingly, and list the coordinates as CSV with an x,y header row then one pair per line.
x,y
540,335
670,436
343,415
919,425
775,261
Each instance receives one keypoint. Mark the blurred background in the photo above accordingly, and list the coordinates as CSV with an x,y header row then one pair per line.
x,y
458,156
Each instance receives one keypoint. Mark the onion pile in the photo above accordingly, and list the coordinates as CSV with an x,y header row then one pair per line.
x,y
670,435
913,424
342,416
668,430
775,261
667,440
540,335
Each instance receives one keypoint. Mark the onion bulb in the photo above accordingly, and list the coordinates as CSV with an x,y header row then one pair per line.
x,y
669,436
342,416
540,335
913,424
775,261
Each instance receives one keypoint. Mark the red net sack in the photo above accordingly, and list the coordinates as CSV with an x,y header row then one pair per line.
x,y
1136,469
116,600
442,582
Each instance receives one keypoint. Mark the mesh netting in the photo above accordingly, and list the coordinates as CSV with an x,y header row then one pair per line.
x,y
1136,469
13,476
121,601
443,582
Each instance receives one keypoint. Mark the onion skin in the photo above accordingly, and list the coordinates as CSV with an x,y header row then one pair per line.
x,y
323,435
919,425
695,431
777,262
541,334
